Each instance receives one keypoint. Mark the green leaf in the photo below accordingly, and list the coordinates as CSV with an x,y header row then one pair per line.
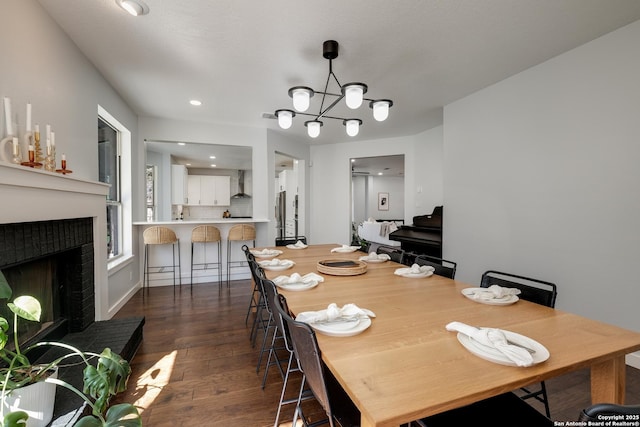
x,y
121,415
26,307
5,289
107,379
15,419
4,327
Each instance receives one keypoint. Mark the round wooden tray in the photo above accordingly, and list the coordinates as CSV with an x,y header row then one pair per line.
x,y
342,267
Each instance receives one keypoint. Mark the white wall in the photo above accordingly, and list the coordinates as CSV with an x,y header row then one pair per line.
x,y
541,178
330,174
42,66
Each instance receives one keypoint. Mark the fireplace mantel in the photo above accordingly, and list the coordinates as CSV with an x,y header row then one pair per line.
x,y
36,195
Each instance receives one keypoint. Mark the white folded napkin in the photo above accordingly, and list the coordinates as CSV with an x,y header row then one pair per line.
x,y
296,278
494,292
276,261
265,251
494,338
374,256
344,248
414,269
333,312
299,244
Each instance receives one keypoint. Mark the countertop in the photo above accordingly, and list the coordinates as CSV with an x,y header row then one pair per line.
x,y
203,221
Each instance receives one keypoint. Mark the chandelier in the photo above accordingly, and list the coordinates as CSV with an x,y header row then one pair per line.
x,y
352,93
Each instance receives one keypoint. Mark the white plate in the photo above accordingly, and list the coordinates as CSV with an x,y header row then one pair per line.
x,y
492,355
278,267
343,328
418,275
344,250
298,286
270,254
372,261
296,247
506,300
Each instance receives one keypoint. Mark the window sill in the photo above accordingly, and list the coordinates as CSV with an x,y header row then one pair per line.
x,y
119,263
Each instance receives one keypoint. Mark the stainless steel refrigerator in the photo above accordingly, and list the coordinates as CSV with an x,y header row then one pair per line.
x,y
281,215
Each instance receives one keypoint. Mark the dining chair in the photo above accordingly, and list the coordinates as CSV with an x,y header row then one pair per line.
x,y
503,410
261,314
335,402
256,295
442,266
271,333
596,411
394,253
533,290
292,362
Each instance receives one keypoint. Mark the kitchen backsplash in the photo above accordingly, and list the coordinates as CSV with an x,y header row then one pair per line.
x,y
238,208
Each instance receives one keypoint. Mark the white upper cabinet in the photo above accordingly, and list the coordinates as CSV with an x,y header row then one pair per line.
x,y
207,190
179,185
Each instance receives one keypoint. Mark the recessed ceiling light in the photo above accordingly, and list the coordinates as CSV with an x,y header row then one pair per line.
x,y
212,157
181,143
188,164
134,7
195,102
379,173
213,166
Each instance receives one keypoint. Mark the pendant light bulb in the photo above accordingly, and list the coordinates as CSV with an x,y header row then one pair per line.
x,y
353,93
352,126
381,109
313,128
301,96
285,118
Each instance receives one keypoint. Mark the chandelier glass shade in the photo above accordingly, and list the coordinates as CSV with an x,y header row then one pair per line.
x,y
352,93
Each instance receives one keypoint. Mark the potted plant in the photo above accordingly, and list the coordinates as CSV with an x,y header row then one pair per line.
x,y
101,381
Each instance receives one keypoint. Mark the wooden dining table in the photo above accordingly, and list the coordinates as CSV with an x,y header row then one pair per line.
x,y
407,366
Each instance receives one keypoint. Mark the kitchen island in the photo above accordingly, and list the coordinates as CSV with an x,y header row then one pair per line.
x,y
161,255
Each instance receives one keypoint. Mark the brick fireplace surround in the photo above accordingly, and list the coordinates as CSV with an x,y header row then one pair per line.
x,y
36,201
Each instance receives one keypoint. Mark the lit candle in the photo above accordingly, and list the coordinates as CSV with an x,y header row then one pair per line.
x,y
15,146
7,115
28,117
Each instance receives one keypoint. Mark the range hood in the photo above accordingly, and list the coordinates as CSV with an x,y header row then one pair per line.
x,y
241,194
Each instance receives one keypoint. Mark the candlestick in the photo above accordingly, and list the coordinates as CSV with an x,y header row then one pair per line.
x,y
28,117
16,151
63,162
7,115
32,154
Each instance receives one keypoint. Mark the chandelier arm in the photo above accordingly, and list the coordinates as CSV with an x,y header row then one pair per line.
x,y
316,116
322,112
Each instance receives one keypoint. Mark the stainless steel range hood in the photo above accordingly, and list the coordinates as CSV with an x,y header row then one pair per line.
x,y
241,194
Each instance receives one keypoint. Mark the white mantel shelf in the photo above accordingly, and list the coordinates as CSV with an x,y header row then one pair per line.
x,y
21,176
204,221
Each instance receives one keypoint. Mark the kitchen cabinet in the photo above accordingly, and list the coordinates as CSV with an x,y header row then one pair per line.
x,y
209,190
179,190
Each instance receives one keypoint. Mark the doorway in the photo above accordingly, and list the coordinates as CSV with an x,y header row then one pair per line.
x,y
377,190
290,198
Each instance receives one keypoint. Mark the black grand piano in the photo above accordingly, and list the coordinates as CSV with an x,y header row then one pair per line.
x,y
423,237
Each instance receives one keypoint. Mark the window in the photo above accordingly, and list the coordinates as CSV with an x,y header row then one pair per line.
x,y
114,168
150,192
109,173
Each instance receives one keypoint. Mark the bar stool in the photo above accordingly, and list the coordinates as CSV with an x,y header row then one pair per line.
x,y
206,234
158,235
238,233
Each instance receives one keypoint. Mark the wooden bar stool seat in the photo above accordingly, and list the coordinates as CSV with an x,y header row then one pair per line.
x,y
206,235
157,236
239,233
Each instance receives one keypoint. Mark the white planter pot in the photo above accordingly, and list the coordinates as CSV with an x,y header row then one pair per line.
x,y
37,400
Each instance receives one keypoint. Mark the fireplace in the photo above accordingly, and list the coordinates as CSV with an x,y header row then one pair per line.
x,y
54,262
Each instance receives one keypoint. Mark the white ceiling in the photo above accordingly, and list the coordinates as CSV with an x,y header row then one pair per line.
x,y
240,57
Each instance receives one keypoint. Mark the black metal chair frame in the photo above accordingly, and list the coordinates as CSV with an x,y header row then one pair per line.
x,y
442,266
593,412
309,358
533,290
395,253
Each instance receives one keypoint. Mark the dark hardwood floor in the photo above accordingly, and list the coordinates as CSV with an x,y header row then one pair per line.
x,y
196,365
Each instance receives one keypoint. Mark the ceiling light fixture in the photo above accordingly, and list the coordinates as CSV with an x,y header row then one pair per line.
x,y
134,7
195,102
353,94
